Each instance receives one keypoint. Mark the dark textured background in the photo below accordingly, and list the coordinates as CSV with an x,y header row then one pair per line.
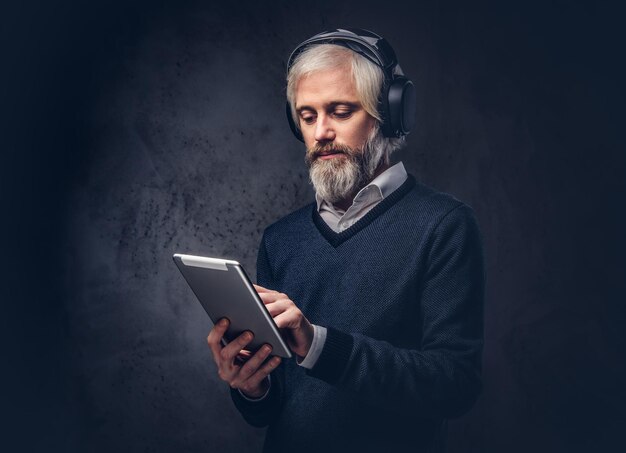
x,y
131,130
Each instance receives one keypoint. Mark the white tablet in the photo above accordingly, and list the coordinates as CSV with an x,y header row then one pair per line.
x,y
225,291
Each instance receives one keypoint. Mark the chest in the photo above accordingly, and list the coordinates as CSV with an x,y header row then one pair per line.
x,y
368,287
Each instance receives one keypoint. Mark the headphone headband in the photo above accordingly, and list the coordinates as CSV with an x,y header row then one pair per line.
x,y
366,43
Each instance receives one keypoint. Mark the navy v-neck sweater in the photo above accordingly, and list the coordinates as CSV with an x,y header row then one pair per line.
x,y
401,294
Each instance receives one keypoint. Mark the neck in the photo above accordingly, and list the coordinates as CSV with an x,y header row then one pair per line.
x,y
347,202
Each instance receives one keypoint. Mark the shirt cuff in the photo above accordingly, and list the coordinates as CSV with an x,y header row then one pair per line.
x,y
260,398
319,338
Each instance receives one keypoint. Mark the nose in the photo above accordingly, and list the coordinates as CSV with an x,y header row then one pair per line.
x,y
323,130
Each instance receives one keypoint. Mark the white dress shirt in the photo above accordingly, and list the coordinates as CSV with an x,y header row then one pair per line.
x,y
364,201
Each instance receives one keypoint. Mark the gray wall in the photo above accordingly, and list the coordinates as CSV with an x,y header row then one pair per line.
x,y
145,130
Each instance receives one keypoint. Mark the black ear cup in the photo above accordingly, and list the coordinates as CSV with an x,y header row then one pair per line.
x,y
401,104
409,108
397,101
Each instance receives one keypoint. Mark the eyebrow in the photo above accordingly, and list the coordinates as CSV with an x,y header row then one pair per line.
x,y
330,105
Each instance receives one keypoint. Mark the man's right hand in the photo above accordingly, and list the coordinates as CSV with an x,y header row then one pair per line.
x,y
249,377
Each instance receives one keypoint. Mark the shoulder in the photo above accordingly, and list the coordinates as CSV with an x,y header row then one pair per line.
x,y
445,228
431,207
293,223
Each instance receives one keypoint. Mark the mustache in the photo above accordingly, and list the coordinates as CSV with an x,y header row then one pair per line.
x,y
328,148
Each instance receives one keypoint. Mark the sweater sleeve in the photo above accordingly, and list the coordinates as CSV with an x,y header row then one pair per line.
x,y
262,412
441,378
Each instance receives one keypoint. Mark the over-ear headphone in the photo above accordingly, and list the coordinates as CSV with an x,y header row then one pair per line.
x,y
397,99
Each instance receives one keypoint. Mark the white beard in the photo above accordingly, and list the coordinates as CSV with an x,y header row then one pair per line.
x,y
343,176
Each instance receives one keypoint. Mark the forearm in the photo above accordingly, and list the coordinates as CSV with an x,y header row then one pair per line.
x,y
263,411
439,383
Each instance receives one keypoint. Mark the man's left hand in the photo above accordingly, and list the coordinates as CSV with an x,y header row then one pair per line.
x,y
289,318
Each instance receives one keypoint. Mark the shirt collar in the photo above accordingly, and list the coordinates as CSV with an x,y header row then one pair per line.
x,y
384,184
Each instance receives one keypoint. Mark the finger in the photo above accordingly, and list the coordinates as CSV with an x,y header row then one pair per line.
x,y
256,379
269,297
261,289
230,351
216,334
278,307
252,365
244,355
215,337
288,319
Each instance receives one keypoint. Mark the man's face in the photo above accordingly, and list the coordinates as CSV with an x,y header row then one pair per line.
x,y
343,143
329,110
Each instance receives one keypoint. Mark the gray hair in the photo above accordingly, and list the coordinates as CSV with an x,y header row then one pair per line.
x,y
367,76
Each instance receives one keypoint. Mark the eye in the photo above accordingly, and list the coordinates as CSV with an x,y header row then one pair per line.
x,y
342,114
308,118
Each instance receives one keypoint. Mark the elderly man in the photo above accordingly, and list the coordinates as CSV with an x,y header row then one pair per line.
x,y
377,286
